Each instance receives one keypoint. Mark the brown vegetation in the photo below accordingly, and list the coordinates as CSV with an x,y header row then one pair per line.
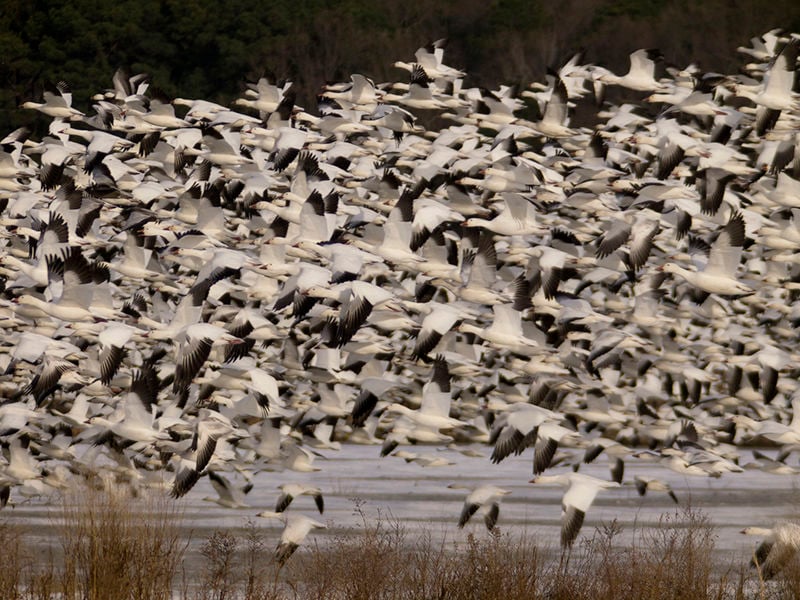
x,y
118,547
112,547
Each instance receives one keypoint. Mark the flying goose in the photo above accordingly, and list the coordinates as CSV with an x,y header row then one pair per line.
x,y
581,492
640,76
430,58
297,527
289,491
228,496
58,106
719,274
486,498
780,545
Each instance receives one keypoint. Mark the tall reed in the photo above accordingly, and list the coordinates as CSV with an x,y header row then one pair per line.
x,y
117,546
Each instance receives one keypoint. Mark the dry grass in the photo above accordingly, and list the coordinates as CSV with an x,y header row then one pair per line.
x,y
118,548
673,560
670,561
385,565
112,547
14,561
236,567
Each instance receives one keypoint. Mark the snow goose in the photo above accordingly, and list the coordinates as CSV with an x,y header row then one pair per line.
x,y
57,106
782,232
506,331
373,390
640,76
763,47
778,433
774,466
361,93
358,298
54,372
297,527
775,93
28,274
479,271
549,435
266,96
545,269
517,217
431,216
228,496
441,319
211,429
395,246
553,123
22,467
126,87
503,179
393,118
198,339
113,339
641,234
711,187
646,484
719,274
433,415
344,261
159,116
289,491
419,94
492,109
517,428
134,417
424,460
64,311
430,58
581,492
703,463
786,191
485,497
780,545
299,459
220,150
16,416
56,156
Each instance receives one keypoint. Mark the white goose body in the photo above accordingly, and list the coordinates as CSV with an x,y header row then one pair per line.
x,y
780,545
580,494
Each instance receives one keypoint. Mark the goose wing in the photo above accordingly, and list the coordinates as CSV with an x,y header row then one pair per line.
x,y
726,251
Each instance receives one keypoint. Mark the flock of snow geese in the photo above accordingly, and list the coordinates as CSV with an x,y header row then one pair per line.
x,y
196,290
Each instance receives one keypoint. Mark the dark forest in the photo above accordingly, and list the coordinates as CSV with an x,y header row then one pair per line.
x,y
200,49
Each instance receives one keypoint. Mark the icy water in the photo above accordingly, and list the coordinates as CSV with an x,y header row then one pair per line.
x,y
418,497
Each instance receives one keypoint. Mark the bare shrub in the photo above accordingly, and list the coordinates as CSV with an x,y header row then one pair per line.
x,y
117,546
669,561
361,565
238,564
43,580
381,562
493,567
219,550
256,580
14,558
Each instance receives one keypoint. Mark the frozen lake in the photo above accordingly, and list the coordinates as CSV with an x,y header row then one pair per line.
x,y
419,498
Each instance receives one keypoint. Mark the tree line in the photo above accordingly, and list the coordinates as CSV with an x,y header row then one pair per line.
x,y
206,49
